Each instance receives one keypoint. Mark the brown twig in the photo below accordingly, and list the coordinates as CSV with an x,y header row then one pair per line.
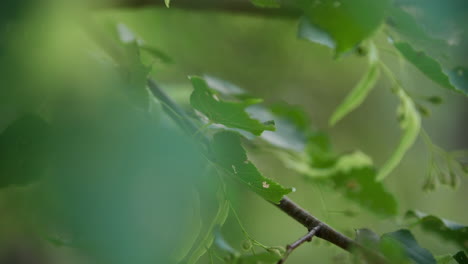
x,y
307,238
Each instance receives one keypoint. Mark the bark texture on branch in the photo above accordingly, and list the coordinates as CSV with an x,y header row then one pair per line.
x,y
309,221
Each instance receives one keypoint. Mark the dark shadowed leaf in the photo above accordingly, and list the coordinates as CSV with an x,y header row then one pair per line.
x,y
461,257
23,151
402,241
443,228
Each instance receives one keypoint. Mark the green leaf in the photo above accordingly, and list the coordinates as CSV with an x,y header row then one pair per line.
x,y
361,187
266,3
358,94
445,229
402,240
167,3
310,32
287,134
342,164
410,123
351,174
265,257
229,113
232,159
454,79
23,151
347,22
445,259
156,53
194,227
207,240
461,257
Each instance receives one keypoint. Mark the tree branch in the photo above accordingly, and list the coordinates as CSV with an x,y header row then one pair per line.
x,y
310,222
307,238
230,6
179,115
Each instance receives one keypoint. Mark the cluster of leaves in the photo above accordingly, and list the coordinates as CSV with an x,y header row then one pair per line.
x,y
120,141
400,247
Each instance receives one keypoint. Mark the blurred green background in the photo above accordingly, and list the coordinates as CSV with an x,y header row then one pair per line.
x,y
44,52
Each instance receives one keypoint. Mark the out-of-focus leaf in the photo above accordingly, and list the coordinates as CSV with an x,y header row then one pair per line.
x,y
135,74
342,164
367,238
361,187
194,226
223,245
287,135
312,33
108,157
264,258
455,79
357,95
232,159
461,257
229,113
207,240
266,3
167,3
225,87
445,229
361,17
23,151
405,25
459,79
156,53
410,123
402,241
351,174
445,259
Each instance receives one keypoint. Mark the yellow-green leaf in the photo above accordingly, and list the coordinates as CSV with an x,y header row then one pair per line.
x,y
410,123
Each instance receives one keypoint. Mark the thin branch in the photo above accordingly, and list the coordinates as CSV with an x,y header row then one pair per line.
x,y
307,238
326,232
178,114
288,10
310,222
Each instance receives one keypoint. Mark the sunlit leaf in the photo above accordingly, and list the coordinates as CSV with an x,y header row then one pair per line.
x,y
229,113
410,123
443,228
232,159
167,3
358,94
